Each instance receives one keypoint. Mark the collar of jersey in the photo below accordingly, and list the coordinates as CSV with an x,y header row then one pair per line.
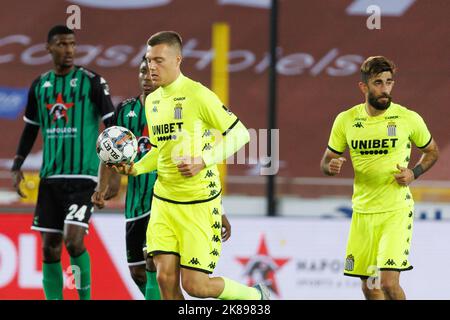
x,y
173,87
381,116
66,75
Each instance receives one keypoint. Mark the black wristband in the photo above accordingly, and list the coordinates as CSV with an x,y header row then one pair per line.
x,y
418,170
17,163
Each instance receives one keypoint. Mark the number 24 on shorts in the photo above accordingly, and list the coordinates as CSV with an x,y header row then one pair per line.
x,y
75,213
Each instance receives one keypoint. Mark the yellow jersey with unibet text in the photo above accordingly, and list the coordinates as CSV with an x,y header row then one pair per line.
x,y
377,145
186,119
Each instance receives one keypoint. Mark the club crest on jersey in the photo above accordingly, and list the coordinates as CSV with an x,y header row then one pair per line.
x,y
144,145
177,111
73,82
155,109
59,109
391,129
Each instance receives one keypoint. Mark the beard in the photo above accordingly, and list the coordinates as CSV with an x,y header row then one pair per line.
x,y
377,104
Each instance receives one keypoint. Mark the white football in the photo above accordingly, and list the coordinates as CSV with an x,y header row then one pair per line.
x,y
117,145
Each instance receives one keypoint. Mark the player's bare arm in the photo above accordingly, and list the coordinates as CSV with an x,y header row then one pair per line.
x,y
426,161
331,163
107,187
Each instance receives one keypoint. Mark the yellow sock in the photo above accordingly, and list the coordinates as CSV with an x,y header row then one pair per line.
x,y
235,291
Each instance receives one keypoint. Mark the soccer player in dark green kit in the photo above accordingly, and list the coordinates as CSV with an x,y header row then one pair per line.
x,y
130,114
67,103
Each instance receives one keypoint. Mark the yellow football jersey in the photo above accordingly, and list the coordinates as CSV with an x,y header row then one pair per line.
x,y
185,120
377,145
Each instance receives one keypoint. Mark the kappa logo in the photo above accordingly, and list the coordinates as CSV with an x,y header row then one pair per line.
x,y
358,125
215,253
47,84
216,225
215,238
207,147
212,185
404,263
131,114
390,262
194,261
215,211
59,109
209,174
213,193
212,265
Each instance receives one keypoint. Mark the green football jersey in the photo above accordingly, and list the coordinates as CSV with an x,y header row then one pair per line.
x,y
377,145
68,109
131,114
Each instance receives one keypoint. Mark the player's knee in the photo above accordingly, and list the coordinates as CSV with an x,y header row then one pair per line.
x,y
138,275
51,252
389,285
74,246
195,288
150,265
166,280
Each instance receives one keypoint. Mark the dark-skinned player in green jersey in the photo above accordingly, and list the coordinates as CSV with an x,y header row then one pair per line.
x,y
67,103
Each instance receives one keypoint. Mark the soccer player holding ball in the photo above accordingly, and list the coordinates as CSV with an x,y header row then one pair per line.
x,y
190,131
67,103
379,134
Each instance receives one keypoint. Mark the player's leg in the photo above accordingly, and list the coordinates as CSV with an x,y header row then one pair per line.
x,y
163,246
152,289
361,259
51,267
168,276
76,196
393,253
390,284
371,291
200,247
79,258
135,238
48,220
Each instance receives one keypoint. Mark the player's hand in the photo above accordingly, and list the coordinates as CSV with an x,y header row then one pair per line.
x,y
124,168
17,177
405,177
226,228
98,199
335,165
189,167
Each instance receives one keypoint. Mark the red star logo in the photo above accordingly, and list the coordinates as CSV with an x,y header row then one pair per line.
x,y
263,266
59,108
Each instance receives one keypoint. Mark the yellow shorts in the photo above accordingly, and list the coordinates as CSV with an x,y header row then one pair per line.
x,y
379,242
191,231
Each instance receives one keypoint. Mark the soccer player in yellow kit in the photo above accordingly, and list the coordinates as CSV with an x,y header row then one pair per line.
x,y
379,134
191,131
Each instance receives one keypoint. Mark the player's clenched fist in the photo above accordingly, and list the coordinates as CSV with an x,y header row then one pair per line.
x,y
334,167
124,168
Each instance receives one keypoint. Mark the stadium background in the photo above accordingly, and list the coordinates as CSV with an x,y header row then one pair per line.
x,y
321,46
